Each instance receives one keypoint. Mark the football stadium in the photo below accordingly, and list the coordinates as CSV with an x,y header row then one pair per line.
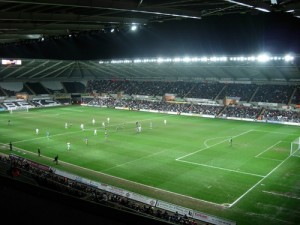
x,y
195,139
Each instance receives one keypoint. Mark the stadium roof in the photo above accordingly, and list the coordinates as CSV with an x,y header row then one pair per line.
x,y
237,69
22,20
66,39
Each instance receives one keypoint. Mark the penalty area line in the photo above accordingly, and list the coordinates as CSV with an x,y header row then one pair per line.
x,y
221,168
202,149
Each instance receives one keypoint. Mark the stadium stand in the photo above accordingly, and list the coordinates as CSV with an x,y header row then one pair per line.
x,y
255,101
17,173
74,87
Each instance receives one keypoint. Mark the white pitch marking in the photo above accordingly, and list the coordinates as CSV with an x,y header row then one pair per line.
x,y
221,168
279,194
268,148
144,157
250,189
205,142
192,153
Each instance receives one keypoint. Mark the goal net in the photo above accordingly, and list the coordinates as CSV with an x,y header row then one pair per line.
x,y
19,109
295,147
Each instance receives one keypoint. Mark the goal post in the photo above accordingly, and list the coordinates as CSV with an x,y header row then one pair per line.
x,y
19,109
295,147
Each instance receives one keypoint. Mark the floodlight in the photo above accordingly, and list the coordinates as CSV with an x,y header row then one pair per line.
x,y
273,1
176,60
223,59
186,59
160,60
204,59
288,58
133,27
213,59
263,58
137,61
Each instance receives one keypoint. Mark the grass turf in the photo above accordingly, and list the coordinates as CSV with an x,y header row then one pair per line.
x,y
190,156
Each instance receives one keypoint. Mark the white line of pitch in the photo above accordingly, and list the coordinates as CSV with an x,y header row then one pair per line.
x,y
133,182
272,132
250,189
279,194
66,133
151,187
205,142
192,153
54,135
129,181
221,168
268,149
277,160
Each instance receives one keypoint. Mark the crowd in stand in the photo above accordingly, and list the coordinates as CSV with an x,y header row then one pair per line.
x,y
296,97
241,112
281,115
48,179
161,106
274,93
205,90
208,90
245,92
157,88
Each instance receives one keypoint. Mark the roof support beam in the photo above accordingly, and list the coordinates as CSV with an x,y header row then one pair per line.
x,y
124,6
255,4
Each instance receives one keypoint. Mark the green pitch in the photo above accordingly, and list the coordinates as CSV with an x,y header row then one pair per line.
x,y
251,180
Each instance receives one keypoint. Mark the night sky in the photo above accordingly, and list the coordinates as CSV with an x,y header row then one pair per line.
x,y
215,35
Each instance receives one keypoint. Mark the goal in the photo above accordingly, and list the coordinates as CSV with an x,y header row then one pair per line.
x,y
19,109
295,147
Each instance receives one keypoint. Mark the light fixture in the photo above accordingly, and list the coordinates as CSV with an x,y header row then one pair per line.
x,y
133,27
288,58
261,58
274,2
